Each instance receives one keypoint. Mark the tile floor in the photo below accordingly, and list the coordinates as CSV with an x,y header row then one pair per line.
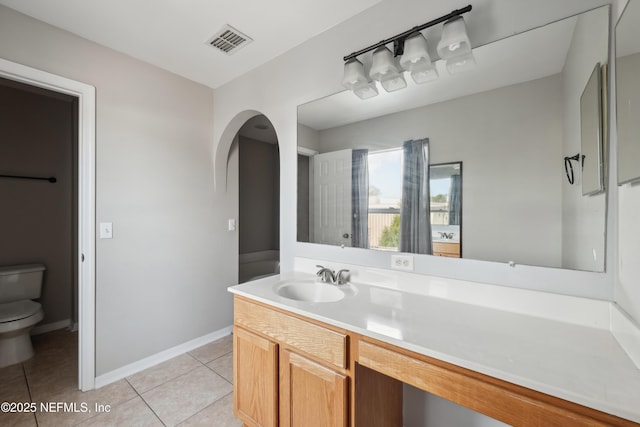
x,y
193,389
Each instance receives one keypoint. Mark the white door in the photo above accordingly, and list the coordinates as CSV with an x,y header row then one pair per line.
x,y
332,198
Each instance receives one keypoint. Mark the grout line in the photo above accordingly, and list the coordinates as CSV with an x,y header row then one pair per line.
x,y
206,407
145,402
169,380
153,411
26,380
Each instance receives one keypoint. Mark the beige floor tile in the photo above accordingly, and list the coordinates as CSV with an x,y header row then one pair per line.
x,y
212,351
163,372
182,397
223,366
11,372
47,380
54,367
112,394
131,413
52,350
14,390
219,414
23,419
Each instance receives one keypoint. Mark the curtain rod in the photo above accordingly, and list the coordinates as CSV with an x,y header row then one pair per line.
x,y
51,179
407,33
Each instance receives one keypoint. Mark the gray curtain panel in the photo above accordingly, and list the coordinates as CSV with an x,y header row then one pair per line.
x,y
455,193
415,218
360,199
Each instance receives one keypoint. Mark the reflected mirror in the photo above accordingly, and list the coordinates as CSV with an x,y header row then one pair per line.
x,y
628,93
511,121
591,134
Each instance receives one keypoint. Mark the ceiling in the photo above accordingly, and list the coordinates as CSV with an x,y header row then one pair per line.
x,y
171,34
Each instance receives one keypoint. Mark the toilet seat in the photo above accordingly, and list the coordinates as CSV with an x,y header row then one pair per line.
x,y
12,311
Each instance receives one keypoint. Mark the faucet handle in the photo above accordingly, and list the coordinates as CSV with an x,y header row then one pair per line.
x,y
340,279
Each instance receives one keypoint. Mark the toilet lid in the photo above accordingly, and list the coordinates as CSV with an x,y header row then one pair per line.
x,y
18,310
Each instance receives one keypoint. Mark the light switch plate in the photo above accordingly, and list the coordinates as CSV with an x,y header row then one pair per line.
x,y
106,230
402,262
232,225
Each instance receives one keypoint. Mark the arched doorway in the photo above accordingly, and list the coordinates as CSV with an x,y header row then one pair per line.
x,y
259,199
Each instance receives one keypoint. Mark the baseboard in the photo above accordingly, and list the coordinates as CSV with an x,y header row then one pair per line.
x,y
627,332
163,356
54,326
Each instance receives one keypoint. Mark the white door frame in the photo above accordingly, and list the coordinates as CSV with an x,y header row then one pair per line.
x,y
86,95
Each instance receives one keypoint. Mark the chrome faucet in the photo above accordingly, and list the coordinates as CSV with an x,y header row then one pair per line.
x,y
329,276
342,277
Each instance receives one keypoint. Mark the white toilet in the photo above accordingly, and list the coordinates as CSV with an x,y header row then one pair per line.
x,y
19,285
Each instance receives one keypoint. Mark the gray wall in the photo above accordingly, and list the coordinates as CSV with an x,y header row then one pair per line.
x,y
259,182
161,281
38,138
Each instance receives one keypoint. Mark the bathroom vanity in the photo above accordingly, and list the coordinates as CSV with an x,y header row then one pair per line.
x,y
343,362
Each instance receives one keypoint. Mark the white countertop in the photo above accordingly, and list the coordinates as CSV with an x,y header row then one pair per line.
x,y
582,364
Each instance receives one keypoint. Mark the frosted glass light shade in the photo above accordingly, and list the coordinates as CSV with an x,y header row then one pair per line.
x,y
415,53
354,74
454,41
426,74
356,80
460,63
384,70
366,91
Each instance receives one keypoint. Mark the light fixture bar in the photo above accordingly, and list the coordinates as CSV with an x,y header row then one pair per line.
x,y
404,35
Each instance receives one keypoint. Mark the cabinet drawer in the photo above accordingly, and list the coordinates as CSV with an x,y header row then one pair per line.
x,y
317,341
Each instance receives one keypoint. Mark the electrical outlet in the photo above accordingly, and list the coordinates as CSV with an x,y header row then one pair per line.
x,y
402,262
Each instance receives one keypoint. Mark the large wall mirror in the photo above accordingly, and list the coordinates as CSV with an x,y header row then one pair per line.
x,y
510,122
628,93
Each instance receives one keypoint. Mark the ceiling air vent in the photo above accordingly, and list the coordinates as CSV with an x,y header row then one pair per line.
x,y
229,40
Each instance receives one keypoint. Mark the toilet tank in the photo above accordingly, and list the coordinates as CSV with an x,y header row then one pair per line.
x,y
18,282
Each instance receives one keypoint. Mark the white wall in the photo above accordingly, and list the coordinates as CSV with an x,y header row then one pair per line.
x,y
583,227
627,289
161,281
509,142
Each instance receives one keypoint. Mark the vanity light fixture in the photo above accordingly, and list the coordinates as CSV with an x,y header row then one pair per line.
x,y
411,47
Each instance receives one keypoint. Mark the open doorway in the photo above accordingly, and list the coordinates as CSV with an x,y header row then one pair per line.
x,y
83,96
38,182
259,200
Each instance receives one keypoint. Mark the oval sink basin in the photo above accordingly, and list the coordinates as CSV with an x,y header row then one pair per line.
x,y
311,291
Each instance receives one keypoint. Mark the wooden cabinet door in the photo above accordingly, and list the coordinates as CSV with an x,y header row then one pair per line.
x,y
255,379
310,394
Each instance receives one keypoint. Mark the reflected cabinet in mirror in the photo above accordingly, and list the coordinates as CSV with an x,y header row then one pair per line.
x,y
628,93
386,173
